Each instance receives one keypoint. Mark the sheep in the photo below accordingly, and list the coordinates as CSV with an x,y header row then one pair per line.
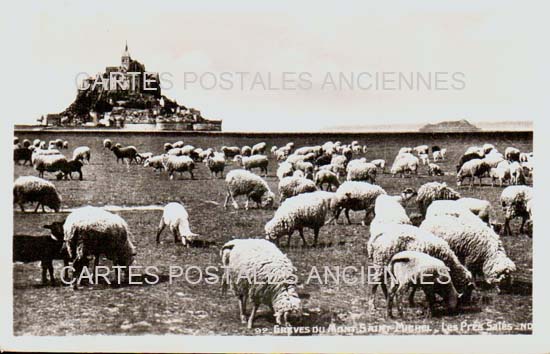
x,y
516,173
493,159
74,166
404,150
51,163
516,202
389,210
179,164
380,163
144,156
297,158
82,153
22,153
500,173
475,244
404,162
65,144
487,148
36,143
285,169
306,167
45,249
316,150
157,162
216,164
294,185
436,148
246,150
42,145
412,269
422,149
511,154
230,151
175,152
327,177
363,171
128,152
273,149
107,144
475,150
400,237
465,158
92,231
523,157
424,158
434,170
437,155
167,147
527,168
431,191
243,182
473,168
356,196
296,213
29,189
323,160
176,218
259,149
339,170
259,271
480,207
178,144
254,161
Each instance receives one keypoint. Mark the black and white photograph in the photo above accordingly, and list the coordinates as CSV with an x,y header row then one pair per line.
x,y
314,175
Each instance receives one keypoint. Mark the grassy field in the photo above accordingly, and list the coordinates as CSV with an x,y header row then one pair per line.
x,y
183,308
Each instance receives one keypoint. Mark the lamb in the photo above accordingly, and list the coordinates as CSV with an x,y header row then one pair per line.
x,y
82,153
285,169
475,244
259,149
216,164
431,191
179,164
404,162
45,249
156,162
434,170
326,177
422,149
511,154
176,218
274,277
296,213
243,182
473,168
294,185
128,152
516,173
29,189
254,161
516,202
397,238
356,196
380,163
94,231
107,144
412,269
230,151
363,171
22,153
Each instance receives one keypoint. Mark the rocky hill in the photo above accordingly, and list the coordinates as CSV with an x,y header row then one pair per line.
x,y
450,126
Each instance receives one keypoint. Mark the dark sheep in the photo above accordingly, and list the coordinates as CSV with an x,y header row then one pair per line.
x,y
45,249
466,158
323,160
435,148
129,152
22,154
74,166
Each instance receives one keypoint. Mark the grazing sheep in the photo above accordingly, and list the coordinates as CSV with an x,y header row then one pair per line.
x,y
424,158
389,210
405,162
254,161
487,148
91,231
178,144
107,144
29,189
397,238
422,149
176,218
144,156
475,150
179,164
356,196
516,202
380,163
157,162
296,213
45,249
412,269
363,171
327,177
246,150
257,270
480,207
434,170
230,151
285,169
216,164
473,168
168,147
128,152
22,153
493,159
500,173
259,149
475,244
243,182
516,173
294,185
82,153
74,166
315,150
51,163
437,155
431,191
297,158
511,154
306,167
465,158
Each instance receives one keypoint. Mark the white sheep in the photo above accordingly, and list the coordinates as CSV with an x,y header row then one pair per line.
x,y
254,161
91,231
475,244
361,171
285,169
413,270
296,213
437,155
525,156
156,162
469,208
179,164
82,153
315,150
246,150
243,182
216,164
493,159
306,167
405,163
480,207
326,177
258,271
517,175
294,185
475,150
487,148
473,168
517,202
405,150
176,218
356,196
259,148
388,210
29,189
511,154
434,170
421,149
380,163
424,158
500,173
431,191
178,144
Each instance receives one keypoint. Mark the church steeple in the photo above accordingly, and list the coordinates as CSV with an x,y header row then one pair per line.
x,y
125,60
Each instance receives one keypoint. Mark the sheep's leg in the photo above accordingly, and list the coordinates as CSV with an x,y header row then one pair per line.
x,y
22,207
315,236
160,228
301,231
346,212
247,203
252,314
242,308
411,297
44,272
507,230
191,173
430,298
43,210
50,270
36,209
524,219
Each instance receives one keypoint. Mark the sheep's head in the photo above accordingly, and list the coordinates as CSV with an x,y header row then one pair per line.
x,y
275,228
287,304
56,228
448,193
407,194
268,199
499,270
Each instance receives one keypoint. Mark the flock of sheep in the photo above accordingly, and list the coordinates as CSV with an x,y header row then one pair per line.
x,y
451,236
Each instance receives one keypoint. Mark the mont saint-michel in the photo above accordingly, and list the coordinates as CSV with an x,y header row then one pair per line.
x,y
128,97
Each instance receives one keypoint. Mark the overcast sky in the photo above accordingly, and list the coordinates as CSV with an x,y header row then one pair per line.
x,y
500,48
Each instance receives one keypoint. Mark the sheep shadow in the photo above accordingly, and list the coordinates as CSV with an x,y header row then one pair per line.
x,y
517,287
